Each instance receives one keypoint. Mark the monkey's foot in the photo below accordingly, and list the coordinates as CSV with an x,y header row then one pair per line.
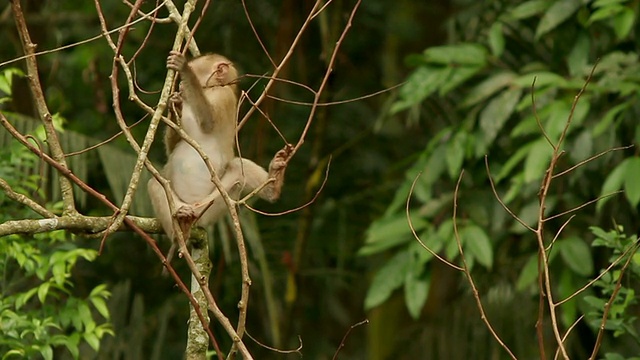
x,y
186,213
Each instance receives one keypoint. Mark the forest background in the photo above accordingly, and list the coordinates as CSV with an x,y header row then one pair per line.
x,y
418,92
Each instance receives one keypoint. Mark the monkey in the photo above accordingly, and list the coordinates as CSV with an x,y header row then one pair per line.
x,y
205,108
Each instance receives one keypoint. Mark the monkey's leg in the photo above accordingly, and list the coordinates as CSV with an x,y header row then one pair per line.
x,y
161,207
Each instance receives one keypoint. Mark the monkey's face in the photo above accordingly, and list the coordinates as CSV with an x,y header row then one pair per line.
x,y
214,70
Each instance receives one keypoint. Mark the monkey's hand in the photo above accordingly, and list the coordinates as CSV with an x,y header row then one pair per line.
x,y
175,105
279,163
176,61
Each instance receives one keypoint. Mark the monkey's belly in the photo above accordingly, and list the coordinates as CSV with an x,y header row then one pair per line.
x,y
191,177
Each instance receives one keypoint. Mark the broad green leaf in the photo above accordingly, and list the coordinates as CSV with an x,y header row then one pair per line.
x,y
416,289
513,161
579,56
623,23
477,243
455,154
632,181
537,161
458,75
609,118
576,254
101,305
606,12
390,231
421,84
92,340
496,39
560,11
542,78
488,87
43,290
566,288
529,9
389,278
460,54
495,115
614,182
529,273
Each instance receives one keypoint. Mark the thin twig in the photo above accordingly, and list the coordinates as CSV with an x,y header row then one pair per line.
x,y
346,335
415,234
476,293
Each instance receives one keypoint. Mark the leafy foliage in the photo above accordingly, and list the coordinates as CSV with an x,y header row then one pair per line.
x,y
39,311
511,82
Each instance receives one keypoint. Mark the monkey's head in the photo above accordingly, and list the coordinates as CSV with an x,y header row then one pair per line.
x,y
215,70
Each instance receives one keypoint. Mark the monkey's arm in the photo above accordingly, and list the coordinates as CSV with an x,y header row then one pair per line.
x,y
193,92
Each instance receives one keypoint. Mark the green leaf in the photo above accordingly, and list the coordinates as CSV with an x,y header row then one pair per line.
x,y
416,289
543,78
496,39
421,84
529,9
537,161
92,340
43,289
460,54
387,279
488,87
576,254
455,154
560,11
613,183
609,118
632,181
495,115
606,12
623,23
101,305
529,273
458,75
579,56
478,244
389,232
513,161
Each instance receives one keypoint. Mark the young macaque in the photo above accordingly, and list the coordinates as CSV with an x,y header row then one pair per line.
x,y
207,105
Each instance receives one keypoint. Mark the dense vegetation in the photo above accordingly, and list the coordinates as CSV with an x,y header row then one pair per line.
x,y
488,88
